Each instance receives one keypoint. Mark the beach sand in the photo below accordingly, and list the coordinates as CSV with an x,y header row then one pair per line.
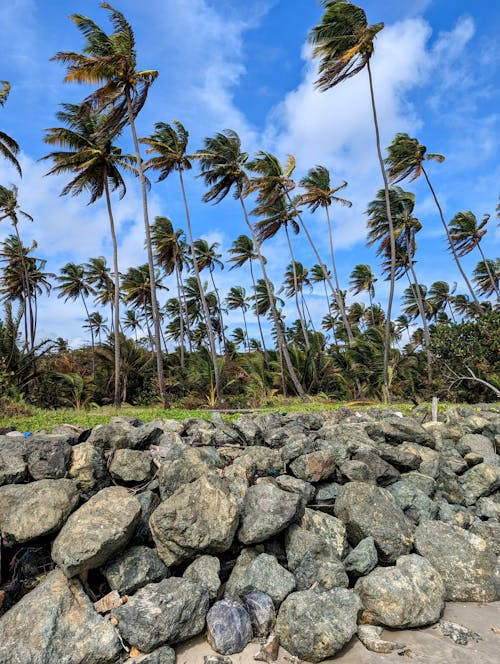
x,y
424,646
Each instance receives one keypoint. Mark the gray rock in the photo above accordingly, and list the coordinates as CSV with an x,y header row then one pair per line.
x,y
294,485
96,531
331,530
236,582
414,503
448,486
478,444
463,560
229,628
29,511
205,571
425,483
131,466
264,573
248,430
200,517
149,501
262,614
397,430
381,472
371,511
316,625
216,659
328,492
481,480
167,612
56,622
362,559
490,532
488,508
47,456
411,594
163,655
458,633
454,460
88,469
260,461
133,569
403,460
455,515
267,511
429,459
298,446
356,471
190,465
314,467
369,635
13,467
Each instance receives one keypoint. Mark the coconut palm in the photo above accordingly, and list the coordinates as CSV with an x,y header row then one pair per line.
x,y
296,278
466,234
207,256
130,321
97,324
405,158
237,299
110,62
344,43
441,296
94,165
222,167
487,276
169,144
8,146
363,279
137,292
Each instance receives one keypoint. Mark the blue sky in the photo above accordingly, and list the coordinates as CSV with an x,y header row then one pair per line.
x,y
247,66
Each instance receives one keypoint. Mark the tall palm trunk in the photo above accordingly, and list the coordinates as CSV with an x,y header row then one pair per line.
x,y
29,327
222,337
392,240
208,320
296,291
246,327
154,301
450,239
266,356
91,328
277,326
181,314
493,283
115,307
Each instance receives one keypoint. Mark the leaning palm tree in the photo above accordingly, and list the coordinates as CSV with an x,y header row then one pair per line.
x,y
222,167
237,299
487,276
405,158
110,62
94,165
98,274
344,43
442,296
207,256
466,234
363,279
9,149
168,144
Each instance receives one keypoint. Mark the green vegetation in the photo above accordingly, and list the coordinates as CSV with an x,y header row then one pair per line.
x,y
179,351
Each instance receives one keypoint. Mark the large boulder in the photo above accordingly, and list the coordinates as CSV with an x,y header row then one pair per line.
x,y
56,622
481,480
133,569
316,625
167,612
205,571
29,511
314,467
264,573
267,510
96,531
411,594
47,456
13,467
464,561
131,466
371,511
200,517
88,468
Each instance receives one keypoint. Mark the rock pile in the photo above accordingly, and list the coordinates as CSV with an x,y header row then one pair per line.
x,y
122,541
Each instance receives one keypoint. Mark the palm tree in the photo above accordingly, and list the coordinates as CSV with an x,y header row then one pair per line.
x,y
363,279
466,234
137,291
405,158
97,324
8,146
222,167
237,299
98,274
296,278
110,61
94,165
131,322
441,296
73,284
207,256
487,276
9,209
242,251
169,145
344,43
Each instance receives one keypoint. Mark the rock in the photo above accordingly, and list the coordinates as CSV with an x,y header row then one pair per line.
x,y
490,532
47,456
425,483
458,633
216,659
355,471
316,625
149,501
362,559
403,460
260,462
269,650
229,629
328,492
371,511
463,560
381,472
481,480
133,569
429,459
96,531
190,465
397,430
131,466
29,511
163,655
200,517
330,529
455,515
236,582
13,467
56,622
264,573
88,469
205,571
478,444
260,607
267,511
167,612
411,594
488,508
414,503
314,467
448,486
369,635
294,485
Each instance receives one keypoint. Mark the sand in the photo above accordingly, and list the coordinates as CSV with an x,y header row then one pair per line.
x,y
424,646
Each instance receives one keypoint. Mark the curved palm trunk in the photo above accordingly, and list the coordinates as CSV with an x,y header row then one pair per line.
x,y
371,306
181,314
279,332
264,349
296,291
222,337
392,240
210,330
450,239
115,306
246,328
154,301
493,283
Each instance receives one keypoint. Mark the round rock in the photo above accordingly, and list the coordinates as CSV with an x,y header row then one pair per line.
x,y
229,628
